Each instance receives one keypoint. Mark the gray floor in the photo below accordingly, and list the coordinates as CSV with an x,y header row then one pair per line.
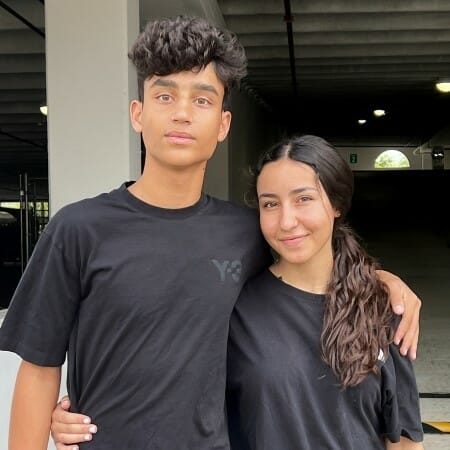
x,y
422,259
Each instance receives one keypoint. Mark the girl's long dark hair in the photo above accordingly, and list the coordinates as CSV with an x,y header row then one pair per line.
x,y
357,325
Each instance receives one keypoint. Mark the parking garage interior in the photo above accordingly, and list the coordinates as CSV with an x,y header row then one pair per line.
x,y
315,67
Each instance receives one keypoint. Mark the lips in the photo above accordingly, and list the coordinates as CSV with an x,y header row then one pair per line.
x,y
177,137
292,240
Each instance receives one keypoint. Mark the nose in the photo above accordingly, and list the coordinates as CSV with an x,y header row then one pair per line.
x,y
182,112
288,218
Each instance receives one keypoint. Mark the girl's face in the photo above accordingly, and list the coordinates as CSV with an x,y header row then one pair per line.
x,y
296,215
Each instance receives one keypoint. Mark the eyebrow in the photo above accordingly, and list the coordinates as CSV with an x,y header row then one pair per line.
x,y
293,192
199,86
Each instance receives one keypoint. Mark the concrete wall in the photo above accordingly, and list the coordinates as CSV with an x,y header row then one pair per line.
x,y
253,130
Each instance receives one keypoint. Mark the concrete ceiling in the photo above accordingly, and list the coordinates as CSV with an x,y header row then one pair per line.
x,y
347,58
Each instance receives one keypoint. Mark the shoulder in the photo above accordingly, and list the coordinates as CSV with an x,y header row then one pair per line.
x,y
234,209
79,215
235,220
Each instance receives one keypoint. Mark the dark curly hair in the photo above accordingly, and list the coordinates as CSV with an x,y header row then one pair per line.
x,y
181,43
358,320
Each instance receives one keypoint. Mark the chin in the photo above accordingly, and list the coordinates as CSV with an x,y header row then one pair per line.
x,y
293,259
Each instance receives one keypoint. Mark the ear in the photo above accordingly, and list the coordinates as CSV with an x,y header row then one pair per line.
x,y
224,126
136,115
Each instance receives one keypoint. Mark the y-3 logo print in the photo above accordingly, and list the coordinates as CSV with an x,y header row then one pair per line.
x,y
227,269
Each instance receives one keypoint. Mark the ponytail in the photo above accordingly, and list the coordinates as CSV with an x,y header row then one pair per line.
x,y
358,317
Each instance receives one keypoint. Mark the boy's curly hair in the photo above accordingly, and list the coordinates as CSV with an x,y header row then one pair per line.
x,y
181,43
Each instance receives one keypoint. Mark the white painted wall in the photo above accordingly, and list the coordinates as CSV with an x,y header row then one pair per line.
x,y
90,82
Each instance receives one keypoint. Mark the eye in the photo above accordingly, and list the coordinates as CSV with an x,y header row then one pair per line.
x,y
164,98
304,198
269,204
202,101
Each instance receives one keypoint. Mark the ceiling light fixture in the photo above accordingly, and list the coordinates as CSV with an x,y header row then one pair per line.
x,y
379,112
443,86
362,121
43,109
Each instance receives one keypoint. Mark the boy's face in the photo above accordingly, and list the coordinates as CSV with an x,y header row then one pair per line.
x,y
181,118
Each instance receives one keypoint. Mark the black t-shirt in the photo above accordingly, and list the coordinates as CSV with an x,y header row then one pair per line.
x,y
282,396
140,297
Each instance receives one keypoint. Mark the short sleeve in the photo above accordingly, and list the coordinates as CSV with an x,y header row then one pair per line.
x,y
39,320
400,398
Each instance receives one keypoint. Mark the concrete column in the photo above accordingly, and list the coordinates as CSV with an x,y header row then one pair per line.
x,y
90,82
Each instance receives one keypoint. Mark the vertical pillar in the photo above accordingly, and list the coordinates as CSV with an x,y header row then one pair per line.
x,y
90,82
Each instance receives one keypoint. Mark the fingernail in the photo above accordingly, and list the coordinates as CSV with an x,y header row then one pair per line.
x,y
93,429
86,420
87,437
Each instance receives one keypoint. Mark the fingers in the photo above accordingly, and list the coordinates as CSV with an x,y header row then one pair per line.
x,y
66,441
72,433
396,290
62,418
60,446
410,340
66,447
407,333
398,308
65,403
404,302
70,428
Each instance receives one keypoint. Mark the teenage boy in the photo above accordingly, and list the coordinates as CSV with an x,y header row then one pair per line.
x,y
137,285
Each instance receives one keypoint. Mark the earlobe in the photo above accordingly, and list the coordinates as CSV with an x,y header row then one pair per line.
x,y
136,115
224,126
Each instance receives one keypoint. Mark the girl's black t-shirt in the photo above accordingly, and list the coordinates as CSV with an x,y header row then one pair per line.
x,y
282,395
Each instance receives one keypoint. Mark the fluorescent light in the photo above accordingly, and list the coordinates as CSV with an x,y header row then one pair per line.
x,y
43,109
443,86
362,121
379,112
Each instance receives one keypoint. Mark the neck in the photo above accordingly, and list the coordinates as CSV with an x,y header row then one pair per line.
x,y
310,277
170,188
